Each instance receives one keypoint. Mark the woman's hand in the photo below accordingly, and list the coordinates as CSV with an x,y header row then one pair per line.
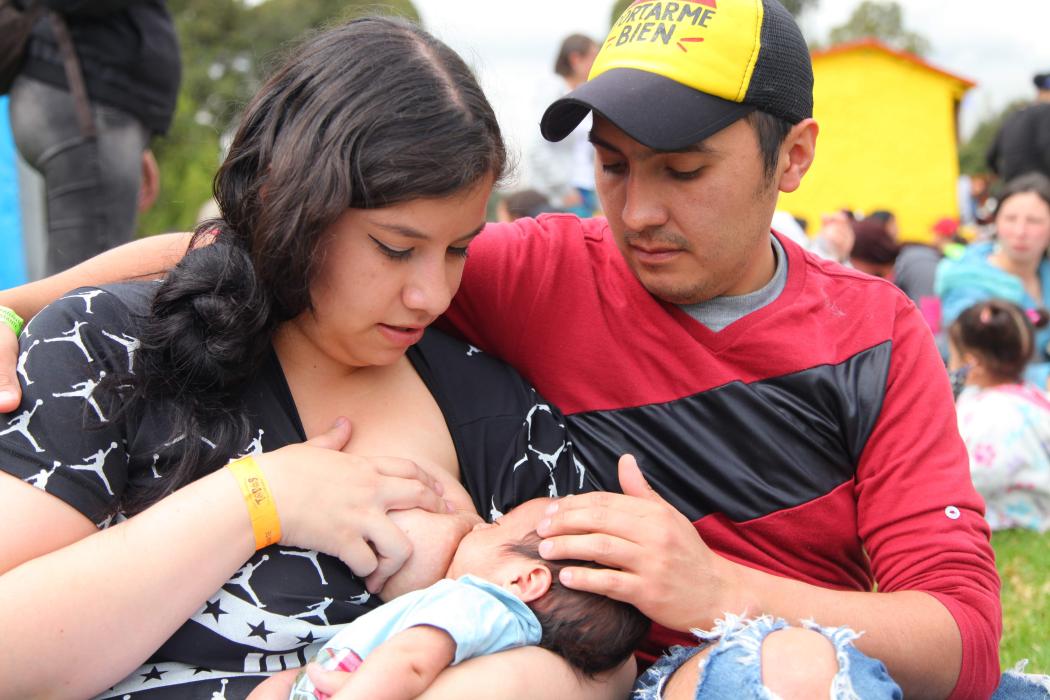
x,y
338,503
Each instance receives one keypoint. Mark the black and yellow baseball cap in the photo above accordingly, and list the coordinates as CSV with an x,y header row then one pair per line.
x,y
670,74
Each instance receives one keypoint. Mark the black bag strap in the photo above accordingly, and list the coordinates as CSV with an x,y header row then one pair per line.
x,y
74,75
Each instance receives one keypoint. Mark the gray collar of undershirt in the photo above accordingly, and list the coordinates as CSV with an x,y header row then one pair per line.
x,y
719,312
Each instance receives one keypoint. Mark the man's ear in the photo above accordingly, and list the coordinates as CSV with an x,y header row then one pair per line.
x,y
796,154
531,582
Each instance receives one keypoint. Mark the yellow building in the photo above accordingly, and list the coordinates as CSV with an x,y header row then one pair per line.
x,y
888,138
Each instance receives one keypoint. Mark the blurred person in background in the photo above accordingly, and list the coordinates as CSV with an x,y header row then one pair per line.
x,y
1022,144
1004,421
517,205
564,171
916,266
93,166
889,221
874,249
834,239
1013,267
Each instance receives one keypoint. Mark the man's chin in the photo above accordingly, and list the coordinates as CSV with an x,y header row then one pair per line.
x,y
679,295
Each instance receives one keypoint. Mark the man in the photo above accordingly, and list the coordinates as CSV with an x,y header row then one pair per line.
x,y
1023,142
793,413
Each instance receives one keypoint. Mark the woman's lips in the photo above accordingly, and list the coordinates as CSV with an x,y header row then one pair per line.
x,y
402,335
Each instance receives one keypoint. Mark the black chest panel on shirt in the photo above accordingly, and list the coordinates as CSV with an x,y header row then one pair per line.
x,y
805,434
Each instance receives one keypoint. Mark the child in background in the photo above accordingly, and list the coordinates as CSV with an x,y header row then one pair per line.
x,y
1004,421
499,594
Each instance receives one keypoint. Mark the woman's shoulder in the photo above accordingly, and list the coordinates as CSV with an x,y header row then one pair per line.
x,y
468,383
452,362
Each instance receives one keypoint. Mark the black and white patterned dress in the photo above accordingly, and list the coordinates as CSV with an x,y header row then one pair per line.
x,y
68,439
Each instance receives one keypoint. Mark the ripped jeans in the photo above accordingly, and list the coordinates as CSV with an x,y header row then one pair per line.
x,y
734,667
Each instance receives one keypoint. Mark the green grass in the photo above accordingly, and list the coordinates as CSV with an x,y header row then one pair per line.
x,y
1023,560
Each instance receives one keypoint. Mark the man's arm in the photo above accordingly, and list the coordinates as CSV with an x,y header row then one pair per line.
x,y
145,257
657,560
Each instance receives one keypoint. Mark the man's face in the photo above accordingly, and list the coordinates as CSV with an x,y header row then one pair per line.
x,y
482,551
692,224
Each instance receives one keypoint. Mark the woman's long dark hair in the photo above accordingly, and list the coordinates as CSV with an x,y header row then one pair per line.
x,y
366,115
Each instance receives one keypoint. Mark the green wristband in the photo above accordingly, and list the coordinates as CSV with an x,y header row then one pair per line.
x,y
12,320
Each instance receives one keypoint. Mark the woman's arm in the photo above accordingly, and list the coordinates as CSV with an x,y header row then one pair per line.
x,y
141,258
108,599
145,257
65,586
526,672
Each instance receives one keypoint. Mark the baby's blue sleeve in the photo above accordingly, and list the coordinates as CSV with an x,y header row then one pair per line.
x,y
481,618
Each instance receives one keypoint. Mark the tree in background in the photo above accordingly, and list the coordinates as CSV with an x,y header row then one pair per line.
x,y
795,7
228,48
882,20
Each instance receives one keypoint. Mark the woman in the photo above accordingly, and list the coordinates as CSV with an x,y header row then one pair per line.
x,y
1014,267
1004,421
357,179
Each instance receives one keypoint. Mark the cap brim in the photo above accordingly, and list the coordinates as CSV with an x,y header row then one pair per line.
x,y
655,111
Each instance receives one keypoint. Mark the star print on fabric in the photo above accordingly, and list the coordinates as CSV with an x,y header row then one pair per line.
x,y
200,669
213,608
308,639
260,630
153,675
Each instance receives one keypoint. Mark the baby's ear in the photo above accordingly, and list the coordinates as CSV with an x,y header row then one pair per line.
x,y
532,581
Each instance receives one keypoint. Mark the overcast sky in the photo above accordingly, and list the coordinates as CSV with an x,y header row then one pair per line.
x,y
1000,45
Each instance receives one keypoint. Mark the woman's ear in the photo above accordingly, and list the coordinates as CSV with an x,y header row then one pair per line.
x,y
531,581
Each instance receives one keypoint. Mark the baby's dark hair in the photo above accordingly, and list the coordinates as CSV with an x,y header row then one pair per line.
x,y
592,632
1000,334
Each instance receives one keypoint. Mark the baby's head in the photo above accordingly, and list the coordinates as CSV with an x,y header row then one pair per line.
x,y
592,632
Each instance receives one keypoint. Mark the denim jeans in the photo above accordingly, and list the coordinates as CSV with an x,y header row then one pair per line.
x,y
92,185
733,669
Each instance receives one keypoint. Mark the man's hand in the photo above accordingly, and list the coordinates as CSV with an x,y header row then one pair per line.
x,y
657,561
10,391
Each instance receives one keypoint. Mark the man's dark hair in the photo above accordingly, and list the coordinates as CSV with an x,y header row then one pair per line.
x,y
368,114
592,632
771,132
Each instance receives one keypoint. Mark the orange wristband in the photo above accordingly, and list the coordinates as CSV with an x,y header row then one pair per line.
x,y
262,510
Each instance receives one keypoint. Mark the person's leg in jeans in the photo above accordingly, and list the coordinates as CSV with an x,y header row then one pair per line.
x,y
730,662
91,185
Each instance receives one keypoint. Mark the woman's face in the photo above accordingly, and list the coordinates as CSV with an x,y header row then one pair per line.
x,y
1023,226
388,273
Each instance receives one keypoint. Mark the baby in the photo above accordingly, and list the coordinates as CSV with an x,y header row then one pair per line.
x,y
498,594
